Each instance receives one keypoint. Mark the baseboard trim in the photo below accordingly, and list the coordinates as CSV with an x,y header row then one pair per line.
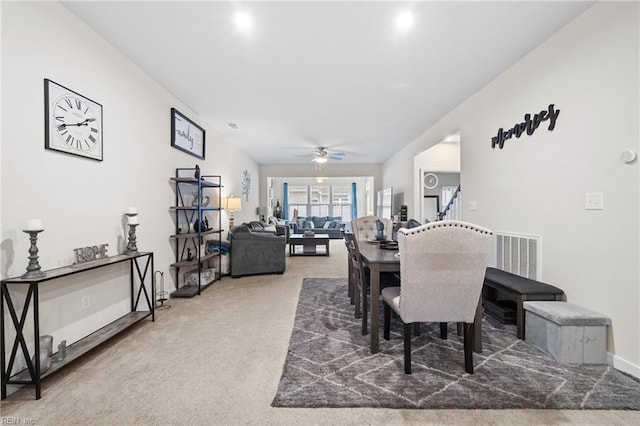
x,y
623,365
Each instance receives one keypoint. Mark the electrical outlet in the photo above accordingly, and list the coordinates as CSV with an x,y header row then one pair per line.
x,y
85,302
593,201
473,205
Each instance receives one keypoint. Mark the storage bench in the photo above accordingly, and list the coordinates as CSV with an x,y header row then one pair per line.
x,y
503,294
567,332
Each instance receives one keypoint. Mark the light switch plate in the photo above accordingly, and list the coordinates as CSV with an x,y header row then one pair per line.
x,y
473,205
593,201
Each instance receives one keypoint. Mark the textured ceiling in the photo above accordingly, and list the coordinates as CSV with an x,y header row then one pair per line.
x,y
332,74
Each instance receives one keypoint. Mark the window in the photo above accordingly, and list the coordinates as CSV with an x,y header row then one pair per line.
x,y
319,203
342,202
321,200
297,200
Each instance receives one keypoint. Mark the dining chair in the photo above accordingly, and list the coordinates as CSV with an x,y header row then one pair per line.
x,y
357,275
361,281
442,268
365,228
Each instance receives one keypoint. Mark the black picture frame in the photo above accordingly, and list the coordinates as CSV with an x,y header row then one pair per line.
x,y
186,135
72,122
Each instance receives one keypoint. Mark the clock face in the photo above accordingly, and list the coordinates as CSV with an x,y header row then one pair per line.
x,y
73,122
430,180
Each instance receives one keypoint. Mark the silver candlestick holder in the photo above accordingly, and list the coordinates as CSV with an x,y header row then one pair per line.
x,y
33,269
132,248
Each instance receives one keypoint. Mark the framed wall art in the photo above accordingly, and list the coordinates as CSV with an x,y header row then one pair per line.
x,y
186,135
72,122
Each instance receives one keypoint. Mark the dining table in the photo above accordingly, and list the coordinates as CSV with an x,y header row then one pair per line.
x,y
379,260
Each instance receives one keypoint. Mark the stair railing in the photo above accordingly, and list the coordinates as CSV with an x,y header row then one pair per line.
x,y
452,209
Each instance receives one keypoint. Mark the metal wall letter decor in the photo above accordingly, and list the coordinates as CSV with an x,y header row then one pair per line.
x,y
246,184
529,125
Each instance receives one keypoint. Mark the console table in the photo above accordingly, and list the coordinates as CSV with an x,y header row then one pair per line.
x,y
32,375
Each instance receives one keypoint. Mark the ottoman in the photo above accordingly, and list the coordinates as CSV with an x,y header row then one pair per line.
x,y
566,332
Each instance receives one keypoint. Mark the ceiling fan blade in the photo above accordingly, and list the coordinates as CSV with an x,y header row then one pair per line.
x,y
336,157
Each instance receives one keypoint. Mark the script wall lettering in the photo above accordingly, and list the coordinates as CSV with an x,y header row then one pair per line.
x,y
529,125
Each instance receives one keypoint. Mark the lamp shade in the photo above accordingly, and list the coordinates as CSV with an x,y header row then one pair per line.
x,y
232,203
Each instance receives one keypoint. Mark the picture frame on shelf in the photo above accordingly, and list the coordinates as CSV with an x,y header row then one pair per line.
x,y
72,122
186,135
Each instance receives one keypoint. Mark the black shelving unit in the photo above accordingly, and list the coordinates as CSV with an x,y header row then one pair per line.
x,y
190,238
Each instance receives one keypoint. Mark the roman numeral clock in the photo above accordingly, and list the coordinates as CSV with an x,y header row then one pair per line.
x,y
73,123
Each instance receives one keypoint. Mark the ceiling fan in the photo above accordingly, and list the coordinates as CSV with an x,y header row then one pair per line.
x,y
321,155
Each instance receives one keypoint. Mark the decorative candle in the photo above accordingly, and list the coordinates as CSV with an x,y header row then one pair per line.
x,y
33,225
132,210
132,220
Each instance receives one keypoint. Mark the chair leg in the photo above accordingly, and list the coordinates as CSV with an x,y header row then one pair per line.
x,y
416,328
387,321
468,347
407,348
459,328
365,310
443,330
351,290
356,294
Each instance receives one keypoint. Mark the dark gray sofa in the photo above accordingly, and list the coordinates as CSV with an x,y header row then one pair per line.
x,y
331,225
256,252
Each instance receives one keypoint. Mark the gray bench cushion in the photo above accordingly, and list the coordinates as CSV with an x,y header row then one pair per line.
x,y
564,313
512,283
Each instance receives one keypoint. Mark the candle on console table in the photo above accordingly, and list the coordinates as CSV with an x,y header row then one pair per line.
x,y
33,225
132,220
132,210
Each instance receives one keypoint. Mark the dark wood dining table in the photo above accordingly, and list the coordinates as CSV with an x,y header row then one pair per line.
x,y
382,260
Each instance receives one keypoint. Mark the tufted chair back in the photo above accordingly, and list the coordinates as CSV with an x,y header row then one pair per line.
x,y
442,265
364,228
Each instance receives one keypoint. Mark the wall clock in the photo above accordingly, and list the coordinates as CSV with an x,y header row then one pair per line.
x,y
73,123
430,180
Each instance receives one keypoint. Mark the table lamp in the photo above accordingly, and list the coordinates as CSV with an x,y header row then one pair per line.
x,y
232,204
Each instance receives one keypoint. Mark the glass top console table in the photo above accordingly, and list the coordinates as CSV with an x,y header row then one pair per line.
x,y
141,271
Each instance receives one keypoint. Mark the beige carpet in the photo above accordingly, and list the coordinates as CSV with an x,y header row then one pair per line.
x,y
217,359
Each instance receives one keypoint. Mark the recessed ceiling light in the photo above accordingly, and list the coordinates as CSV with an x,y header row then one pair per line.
x,y
404,20
243,20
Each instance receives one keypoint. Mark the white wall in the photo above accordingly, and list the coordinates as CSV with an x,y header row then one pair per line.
x,y
537,183
81,202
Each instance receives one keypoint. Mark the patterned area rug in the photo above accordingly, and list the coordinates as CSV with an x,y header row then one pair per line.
x,y
329,365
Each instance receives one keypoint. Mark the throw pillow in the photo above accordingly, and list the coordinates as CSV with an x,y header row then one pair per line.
x,y
326,225
307,224
318,222
300,222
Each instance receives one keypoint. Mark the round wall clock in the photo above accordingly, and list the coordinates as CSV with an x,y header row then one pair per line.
x,y
73,123
430,180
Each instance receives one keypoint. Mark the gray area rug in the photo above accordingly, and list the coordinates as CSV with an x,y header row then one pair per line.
x,y
329,365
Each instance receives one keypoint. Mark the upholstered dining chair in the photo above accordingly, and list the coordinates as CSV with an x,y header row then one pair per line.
x,y
365,228
360,277
442,266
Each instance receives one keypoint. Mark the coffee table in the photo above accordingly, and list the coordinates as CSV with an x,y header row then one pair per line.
x,y
309,245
